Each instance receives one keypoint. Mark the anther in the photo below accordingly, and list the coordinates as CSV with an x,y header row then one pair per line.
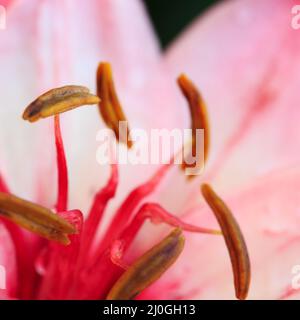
x,y
109,106
35,218
199,118
234,241
148,268
59,100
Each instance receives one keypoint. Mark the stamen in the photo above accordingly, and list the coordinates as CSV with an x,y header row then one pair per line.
x,y
97,210
199,116
124,212
35,218
234,241
62,169
59,100
109,106
156,214
148,268
60,262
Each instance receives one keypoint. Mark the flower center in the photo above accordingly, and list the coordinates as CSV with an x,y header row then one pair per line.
x,y
109,252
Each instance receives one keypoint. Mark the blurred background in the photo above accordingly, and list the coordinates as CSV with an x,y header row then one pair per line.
x,y
170,20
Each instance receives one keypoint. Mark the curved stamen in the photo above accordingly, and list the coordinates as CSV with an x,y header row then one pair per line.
x,y
109,106
199,117
59,100
234,241
156,214
148,268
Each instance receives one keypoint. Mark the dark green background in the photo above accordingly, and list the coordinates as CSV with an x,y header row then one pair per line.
x,y
171,16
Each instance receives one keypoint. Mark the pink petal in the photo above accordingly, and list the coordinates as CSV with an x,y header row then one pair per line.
x,y
243,55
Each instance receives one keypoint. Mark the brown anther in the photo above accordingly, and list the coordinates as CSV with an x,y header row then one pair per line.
x,y
59,100
199,118
148,268
234,241
109,106
35,218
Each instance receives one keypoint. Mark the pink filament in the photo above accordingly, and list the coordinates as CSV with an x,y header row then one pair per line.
x,y
3,185
61,262
126,209
97,210
62,170
157,215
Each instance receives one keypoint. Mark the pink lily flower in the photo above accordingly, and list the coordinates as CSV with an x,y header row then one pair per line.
x,y
247,73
